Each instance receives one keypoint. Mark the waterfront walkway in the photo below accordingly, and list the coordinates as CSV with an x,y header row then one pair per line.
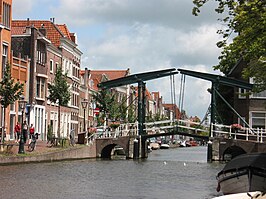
x,y
44,153
41,147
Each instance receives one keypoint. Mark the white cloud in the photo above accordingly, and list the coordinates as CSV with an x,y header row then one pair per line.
x,y
18,5
143,36
172,13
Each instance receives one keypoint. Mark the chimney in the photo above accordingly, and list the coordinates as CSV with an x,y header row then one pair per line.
x,y
86,75
52,19
42,29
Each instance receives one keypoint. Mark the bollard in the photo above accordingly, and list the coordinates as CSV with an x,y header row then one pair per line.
x,y
209,152
136,149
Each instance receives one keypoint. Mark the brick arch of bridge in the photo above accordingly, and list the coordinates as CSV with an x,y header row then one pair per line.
x,y
237,147
104,146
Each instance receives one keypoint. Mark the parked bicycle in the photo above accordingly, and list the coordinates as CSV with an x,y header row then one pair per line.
x,y
32,144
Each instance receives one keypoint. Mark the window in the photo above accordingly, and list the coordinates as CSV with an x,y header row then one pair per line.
x,y
56,66
258,119
40,88
12,107
261,95
51,66
4,58
242,93
6,15
41,55
65,67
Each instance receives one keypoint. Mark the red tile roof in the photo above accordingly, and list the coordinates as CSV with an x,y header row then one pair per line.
x,y
63,28
174,108
97,75
54,31
110,74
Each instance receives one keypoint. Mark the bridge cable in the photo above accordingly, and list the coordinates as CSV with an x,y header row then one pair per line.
x,y
174,90
239,116
172,96
172,78
206,114
181,93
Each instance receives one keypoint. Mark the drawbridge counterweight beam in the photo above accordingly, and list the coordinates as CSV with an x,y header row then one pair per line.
x,y
140,80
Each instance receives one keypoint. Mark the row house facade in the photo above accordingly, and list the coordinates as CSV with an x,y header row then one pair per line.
x,y
89,81
19,69
251,107
49,46
155,109
5,39
158,100
172,111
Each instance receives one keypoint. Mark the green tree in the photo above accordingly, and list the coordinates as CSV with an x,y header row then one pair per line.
x,y
59,92
131,114
108,104
9,91
104,99
245,25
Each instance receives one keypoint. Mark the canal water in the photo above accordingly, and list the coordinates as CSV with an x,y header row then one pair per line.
x,y
171,173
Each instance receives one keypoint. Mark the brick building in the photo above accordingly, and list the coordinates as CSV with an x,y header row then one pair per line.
x,y
250,107
51,45
19,68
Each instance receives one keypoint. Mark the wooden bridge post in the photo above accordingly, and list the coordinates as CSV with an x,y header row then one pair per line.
x,y
136,149
209,151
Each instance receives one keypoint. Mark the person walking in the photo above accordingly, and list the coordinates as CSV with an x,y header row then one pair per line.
x,y
31,131
17,131
25,131
72,137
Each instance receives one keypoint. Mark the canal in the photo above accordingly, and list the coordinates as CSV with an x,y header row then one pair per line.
x,y
171,173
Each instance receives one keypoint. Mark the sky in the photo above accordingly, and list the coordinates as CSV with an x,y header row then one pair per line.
x,y
143,36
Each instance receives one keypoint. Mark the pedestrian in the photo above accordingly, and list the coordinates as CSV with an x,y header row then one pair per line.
x,y
17,131
31,131
72,137
25,131
89,130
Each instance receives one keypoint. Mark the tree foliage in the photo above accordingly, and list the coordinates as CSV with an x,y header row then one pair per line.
x,y
59,92
9,91
59,89
108,104
245,21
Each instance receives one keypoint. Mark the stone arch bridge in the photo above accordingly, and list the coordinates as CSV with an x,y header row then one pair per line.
x,y
104,146
223,148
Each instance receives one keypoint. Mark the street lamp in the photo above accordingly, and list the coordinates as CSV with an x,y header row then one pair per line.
x,y
84,104
22,104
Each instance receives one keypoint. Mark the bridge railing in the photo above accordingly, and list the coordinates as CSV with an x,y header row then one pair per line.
x,y
217,130
181,125
121,130
244,133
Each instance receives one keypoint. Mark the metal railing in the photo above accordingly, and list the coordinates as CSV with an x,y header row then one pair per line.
x,y
157,127
244,133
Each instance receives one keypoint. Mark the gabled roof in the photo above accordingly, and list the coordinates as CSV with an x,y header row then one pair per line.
x,y
54,31
102,75
173,107
237,70
111,74
156,95
63,28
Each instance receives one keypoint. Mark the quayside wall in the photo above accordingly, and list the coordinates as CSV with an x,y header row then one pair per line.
x,y
79,152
